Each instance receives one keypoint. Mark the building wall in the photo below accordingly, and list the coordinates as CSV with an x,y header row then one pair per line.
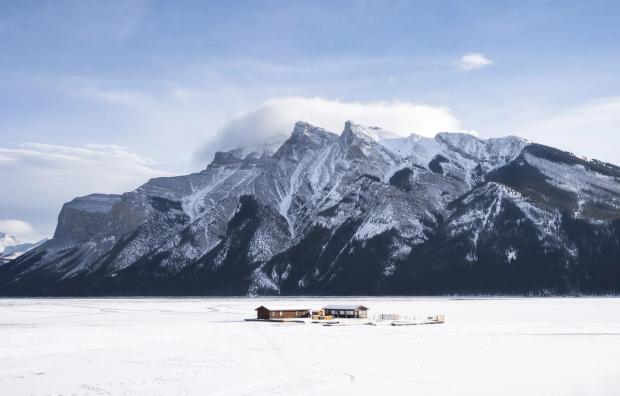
x,y
262,314
267,314
288,314
346,313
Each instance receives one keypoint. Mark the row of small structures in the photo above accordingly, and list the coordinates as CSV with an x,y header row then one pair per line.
x,y
328,312
331,314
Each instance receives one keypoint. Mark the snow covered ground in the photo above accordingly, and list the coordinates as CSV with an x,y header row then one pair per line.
x,y
553,346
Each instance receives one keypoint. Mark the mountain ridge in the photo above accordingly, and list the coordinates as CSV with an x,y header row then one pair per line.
x,y
361,212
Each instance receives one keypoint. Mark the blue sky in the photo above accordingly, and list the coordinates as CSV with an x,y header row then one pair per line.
x,y
98,96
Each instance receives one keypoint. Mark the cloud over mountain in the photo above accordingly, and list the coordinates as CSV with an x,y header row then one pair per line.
x,y
274,119
19,229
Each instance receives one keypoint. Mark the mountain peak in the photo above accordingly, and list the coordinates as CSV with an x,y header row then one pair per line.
x,y
305,128
365,132
372,132
304,136
7,240
456,138
461,138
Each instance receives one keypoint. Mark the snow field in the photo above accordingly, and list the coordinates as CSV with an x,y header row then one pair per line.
x,y
555,346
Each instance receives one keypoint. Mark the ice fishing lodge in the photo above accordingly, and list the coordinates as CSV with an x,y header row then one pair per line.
x,y
265,313
346,311
328,312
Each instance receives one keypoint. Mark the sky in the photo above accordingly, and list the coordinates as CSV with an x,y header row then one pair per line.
x,y
100,96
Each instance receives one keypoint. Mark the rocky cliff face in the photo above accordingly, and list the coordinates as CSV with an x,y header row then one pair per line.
x,y
362,212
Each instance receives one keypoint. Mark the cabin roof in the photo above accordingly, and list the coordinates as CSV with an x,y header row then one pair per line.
x,y
283,309
346,307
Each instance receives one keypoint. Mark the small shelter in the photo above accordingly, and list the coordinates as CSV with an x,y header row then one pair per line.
x,y
265,313
319,314
346,311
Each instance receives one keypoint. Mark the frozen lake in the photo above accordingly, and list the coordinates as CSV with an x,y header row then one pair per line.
x,y
552,346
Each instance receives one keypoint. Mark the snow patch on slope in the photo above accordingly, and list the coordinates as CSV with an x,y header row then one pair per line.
x,y
589,185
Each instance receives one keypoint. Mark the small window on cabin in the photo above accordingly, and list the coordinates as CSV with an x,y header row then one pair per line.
x,y
280,313
350,313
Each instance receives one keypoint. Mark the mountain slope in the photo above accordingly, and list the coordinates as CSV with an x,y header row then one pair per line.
x,y
363,212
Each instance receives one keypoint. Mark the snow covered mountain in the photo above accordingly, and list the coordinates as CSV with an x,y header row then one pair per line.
x,y
7,241
11,248
363,212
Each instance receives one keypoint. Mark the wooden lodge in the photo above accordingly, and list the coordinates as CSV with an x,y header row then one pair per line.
x,y
346,311
265,313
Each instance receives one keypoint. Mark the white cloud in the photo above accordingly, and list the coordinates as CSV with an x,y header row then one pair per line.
x,y
473,61
20,230
112,165
130,98
38,178
167,122
275,119
591,129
